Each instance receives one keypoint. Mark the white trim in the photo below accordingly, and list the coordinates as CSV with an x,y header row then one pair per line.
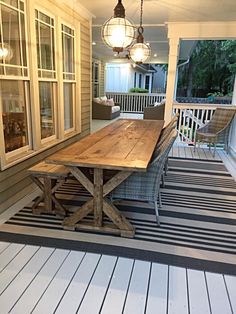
x,y
82,11
202,30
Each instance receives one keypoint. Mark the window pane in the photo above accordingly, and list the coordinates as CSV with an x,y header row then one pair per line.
x,y
13,3
23,39
68,53
68,106
11,35
45,43
14,114
45,47
46,109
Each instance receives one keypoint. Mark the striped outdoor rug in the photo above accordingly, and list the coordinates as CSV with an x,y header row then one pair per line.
x,y
198,221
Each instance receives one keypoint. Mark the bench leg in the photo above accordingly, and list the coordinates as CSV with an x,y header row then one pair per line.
x,y
48,187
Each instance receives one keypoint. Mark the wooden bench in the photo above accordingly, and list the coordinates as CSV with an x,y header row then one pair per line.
x,y
48,178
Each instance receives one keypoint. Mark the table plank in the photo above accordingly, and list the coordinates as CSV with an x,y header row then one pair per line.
x,y
126,144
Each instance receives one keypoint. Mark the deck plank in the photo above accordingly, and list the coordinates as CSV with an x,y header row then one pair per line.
x,y
157,294
116,293
231,287
177,297
197,291
3,246
9,297
36,289
56,289
77,289
218,294
9,253
136,297
98,286
16,265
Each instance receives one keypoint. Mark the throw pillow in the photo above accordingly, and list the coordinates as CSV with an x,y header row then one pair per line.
x,y
110,102
104,98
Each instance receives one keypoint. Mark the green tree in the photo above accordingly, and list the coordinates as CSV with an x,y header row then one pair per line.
x,y
212,68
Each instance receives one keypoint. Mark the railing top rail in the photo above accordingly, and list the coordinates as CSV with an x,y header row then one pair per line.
x,y
199,106
137,94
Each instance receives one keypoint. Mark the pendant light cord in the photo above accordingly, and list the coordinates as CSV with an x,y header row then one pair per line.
x,y
141,14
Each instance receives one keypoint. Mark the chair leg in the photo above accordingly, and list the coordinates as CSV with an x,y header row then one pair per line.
x,y
166,165
157,213
162,180
159,199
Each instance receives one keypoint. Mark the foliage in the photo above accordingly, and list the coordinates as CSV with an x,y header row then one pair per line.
x,y
212,68
138,90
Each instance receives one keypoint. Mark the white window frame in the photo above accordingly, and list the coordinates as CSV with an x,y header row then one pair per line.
x,y
32,100
71,81
6,157
53,80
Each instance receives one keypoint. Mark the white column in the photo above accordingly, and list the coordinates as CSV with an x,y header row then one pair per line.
x,y
171,77
232,140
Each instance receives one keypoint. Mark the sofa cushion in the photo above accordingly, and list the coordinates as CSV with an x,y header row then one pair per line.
x,y
115,109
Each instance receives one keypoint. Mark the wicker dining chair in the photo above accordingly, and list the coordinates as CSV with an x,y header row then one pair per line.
x,y
164,134
216,131
145,186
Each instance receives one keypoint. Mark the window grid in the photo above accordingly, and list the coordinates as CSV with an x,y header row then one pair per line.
x,y
4,65
41,70
69,78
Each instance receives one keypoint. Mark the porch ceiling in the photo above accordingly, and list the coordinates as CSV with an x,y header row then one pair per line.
x,y
156,14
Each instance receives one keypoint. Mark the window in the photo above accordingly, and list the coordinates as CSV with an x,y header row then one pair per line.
x,y
140,81
68,53
14,114
46,72
37,95
95,78
14,80
135,79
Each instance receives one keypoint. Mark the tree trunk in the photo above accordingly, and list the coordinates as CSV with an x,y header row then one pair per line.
x,y
190,80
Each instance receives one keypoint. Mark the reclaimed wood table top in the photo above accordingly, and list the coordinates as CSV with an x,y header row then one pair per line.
x,y
126,144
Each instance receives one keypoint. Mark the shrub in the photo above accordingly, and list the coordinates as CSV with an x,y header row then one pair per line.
x,y
138,90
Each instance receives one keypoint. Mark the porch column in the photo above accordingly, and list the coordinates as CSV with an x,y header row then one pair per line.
x,y
232,140
172,76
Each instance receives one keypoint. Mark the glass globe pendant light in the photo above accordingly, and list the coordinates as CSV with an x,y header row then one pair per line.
x,y
140,51
118,32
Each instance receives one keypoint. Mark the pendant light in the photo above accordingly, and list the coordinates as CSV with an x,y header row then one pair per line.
x,y
140,51
118,32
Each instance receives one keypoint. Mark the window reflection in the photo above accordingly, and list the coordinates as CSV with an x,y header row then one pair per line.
x,y
68,106
14,114
46,109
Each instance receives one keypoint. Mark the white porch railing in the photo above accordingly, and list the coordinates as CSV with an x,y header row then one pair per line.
x,y
135,102
191,117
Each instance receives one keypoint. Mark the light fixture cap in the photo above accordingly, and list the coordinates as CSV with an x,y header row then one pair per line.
x,y
119,10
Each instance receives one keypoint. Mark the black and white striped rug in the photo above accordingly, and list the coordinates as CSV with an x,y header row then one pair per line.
x,y
198,221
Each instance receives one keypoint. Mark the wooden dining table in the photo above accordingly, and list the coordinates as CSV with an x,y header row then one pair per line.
x,y
123,146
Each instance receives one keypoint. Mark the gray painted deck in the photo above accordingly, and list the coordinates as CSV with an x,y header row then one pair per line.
x,y
50,280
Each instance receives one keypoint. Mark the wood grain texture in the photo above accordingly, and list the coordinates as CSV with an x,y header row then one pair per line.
x,y
125,144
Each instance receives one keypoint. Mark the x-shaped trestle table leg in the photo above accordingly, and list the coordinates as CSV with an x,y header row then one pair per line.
x,y
99,205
